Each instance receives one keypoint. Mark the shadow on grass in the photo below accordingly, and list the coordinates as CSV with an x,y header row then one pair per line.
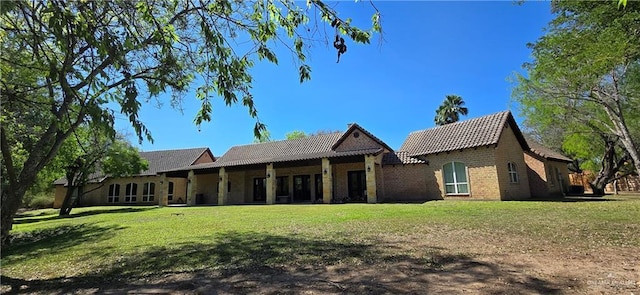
x,y
35,244
241,262
36,218
572,199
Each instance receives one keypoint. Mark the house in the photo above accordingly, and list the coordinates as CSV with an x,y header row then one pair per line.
x,y
144,188
548,171
477,158
481,158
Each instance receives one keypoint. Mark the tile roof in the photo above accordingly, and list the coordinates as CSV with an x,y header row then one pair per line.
x,y
481,131
170,159
399,158
547,153
158,161
307,148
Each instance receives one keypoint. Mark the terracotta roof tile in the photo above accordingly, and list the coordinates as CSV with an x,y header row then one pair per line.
x,y
158,161
399,158
542,151
471,133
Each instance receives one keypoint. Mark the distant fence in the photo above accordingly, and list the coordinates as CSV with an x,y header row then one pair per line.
x,y
629,183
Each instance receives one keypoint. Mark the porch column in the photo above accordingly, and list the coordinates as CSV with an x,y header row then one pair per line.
x,y
192,186
271,184
327,181
163,200
370,168
222,186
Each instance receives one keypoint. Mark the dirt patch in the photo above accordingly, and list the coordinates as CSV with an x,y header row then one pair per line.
x,y
440,262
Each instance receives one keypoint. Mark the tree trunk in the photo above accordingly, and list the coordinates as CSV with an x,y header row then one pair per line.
x,y
607,170
598,185
11,200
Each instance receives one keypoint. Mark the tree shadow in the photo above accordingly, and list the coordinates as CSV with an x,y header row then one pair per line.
x,y
39,243
246,262
35,218
571,199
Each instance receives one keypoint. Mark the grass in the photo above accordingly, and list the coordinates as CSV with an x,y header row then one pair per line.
x,y
114,243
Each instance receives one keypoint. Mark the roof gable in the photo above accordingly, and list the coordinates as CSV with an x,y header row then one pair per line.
x,y
481,131
365,140
171,159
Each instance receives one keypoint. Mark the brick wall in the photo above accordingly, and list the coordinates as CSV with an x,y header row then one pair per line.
x,y
537,176
407,183
510,150
361,142
207,185
481,171
340,177
98,195
204,158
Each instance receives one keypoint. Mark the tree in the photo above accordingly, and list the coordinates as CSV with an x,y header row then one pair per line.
x,y
90,154
584,77
68,63
450,110
296,134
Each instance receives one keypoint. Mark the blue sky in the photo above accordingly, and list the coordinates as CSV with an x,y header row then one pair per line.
x,y
430,49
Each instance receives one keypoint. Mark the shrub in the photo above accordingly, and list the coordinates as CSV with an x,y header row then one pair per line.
x,y
41,201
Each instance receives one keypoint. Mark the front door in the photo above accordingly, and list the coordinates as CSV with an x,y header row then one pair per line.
x,y
301,188
259,190
357,186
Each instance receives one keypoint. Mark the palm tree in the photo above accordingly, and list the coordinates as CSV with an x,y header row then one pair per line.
x,y
450,110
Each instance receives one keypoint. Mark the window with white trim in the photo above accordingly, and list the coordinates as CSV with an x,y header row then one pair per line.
x,y
148,191
513,172
455,178
114,193
131,192
170,191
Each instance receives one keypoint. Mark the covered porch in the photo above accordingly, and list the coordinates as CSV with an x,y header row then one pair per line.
x,y
343,179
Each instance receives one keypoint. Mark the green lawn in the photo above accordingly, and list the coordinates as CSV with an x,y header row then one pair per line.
x,y
115,243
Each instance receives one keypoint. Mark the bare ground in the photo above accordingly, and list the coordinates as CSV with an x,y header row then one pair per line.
x,y
440,262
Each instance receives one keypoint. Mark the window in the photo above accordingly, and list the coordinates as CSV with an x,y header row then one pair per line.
x,y
114,193
148,191
170,191
513,172
282,186
130,193
455,179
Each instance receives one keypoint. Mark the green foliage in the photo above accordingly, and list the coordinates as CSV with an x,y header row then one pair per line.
x,y
296,134
450,110
265,136
69,63
581,88
41,201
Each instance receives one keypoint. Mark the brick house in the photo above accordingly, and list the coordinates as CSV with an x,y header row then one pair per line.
x,y
548,171
144,188
481,158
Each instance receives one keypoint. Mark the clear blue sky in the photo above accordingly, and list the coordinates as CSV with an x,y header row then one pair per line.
x,y
431,49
